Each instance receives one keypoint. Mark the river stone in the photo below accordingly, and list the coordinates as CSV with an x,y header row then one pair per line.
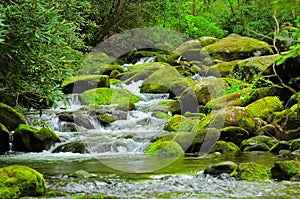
x,y
284,170
234,134
222,69
165,149
223,167
263,108
252,171
247,69
10,118
79,84
179,123
234,47
258,143
20,181
73,147
4,139
29,139
77,118
225,147
106,118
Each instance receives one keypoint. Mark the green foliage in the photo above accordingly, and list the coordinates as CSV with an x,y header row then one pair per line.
x,y
38,51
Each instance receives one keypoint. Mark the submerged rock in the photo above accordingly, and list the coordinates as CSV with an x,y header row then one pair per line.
x,y
223,167
10,118
4,139
165,149
285,170
19,181
234,47
29,139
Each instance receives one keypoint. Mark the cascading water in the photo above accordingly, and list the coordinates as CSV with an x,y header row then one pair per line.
x,y
11,139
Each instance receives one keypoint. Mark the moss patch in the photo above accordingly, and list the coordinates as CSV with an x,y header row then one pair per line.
x,y
284,170
165,149
252,171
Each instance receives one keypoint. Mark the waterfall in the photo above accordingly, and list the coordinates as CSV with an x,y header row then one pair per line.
x,y
11,139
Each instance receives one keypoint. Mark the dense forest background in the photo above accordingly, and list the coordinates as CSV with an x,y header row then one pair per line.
x,y
43,42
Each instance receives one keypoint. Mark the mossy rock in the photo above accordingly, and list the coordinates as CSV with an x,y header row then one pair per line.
x,y
89,196
165,149
80,174
4,139
205,41
10,118
295,144
80,84
258,143
142,71
162,115
165,80
222,167
225,147
234,47
222,69
252,171
247,69
284,170
263,108
73,147
107,96
19,181
234,134
106,118
180,123
96,62
171,105
28,138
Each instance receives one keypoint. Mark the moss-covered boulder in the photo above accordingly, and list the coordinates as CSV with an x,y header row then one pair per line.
x,y
10,118
180,123
234,134
225,147
166,80
73,147
90,196
95,61
28,138
252,171
258,143
234,47
79,84
107,96
106,118
284,170
263,108
165,149
205,41
222,69
20,181
223,167
295,144
247,69
4,139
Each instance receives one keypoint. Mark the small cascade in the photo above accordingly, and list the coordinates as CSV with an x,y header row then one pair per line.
x,y
11,139
142,60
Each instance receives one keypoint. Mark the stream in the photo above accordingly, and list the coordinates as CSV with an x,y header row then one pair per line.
x,y
115,164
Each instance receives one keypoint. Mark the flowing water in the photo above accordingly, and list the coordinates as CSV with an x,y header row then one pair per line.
x,y
116,165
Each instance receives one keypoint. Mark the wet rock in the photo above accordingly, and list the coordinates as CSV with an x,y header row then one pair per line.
x,y
205,41
258,143
252,171
106,118
19,181
281,145
107,96
10,118
285,170
69,127
165,149
222,69
76,118
263,108
4,139
247,69
223,167
28,138
80,84
180,123
73,147
234,134
234,47
80,174
225,147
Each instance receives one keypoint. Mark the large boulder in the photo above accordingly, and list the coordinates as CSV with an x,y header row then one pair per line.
x,y
205,41
29,139
165,149
222,167
284,170
258,143
225,147
20,181
10,118
247,69
234,47
80,84
263,108
222,69
4,139
234,134
179,123
252,171
106,96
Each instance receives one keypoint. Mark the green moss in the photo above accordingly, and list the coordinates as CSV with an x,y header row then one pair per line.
x,y
225,147
258,143
284,170
107,96
114,81
161,115
10,118
165,149
180,123
107,118
252,171
18,181
295,144
223,167
222,69
263,108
